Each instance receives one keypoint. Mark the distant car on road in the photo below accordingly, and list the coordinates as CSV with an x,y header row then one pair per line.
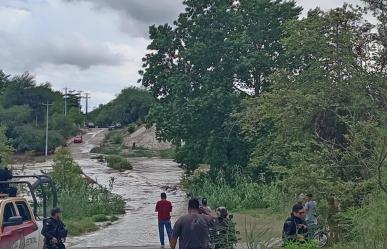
x,y
90,125
78,139
111,127
118,125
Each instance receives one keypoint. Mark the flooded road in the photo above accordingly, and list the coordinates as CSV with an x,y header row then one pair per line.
x,y
140,187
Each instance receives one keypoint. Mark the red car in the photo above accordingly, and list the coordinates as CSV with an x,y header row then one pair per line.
x,y
78,139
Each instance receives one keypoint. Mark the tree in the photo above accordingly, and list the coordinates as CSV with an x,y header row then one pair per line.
x,y
317,128
5,148
131,105
379,10
199,70
3,81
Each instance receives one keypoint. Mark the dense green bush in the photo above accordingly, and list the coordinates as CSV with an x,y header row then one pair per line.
x,y
365,227
168,153
117,139
130,105
131,128
118,162
243,194
30,138
24,116
5,148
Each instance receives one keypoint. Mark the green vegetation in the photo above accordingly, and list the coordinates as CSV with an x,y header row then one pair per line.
x,y
81,226
100,218
5,148
131,128
300,107
82,203
118,162
168,153
131,105
242,194
23,114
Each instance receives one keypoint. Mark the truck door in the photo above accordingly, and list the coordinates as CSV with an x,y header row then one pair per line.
x,y
29,226
11,234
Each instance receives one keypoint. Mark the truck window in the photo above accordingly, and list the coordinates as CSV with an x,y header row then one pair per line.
x,y
9,211
23,210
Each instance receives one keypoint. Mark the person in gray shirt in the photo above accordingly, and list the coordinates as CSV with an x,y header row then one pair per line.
x,y
310,209
192,229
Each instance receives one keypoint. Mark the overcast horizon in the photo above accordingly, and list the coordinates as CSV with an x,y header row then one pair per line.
x,y
92,46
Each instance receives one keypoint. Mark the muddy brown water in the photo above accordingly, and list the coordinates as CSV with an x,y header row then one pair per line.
x,y
140,187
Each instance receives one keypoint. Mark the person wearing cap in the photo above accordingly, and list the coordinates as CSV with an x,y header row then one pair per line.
x,y
54,231
295,227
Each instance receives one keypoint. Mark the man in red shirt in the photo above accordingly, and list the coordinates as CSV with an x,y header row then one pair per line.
x,y
164,209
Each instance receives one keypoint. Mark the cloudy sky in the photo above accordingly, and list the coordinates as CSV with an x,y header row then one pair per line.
x,y
91,45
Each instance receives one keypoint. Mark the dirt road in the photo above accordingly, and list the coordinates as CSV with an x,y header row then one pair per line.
x,y
140,187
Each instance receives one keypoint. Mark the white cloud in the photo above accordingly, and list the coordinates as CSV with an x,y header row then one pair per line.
x,y
90,45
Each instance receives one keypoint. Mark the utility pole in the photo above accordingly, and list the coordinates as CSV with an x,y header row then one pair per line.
x,y
46,150
80,101
87,97
65,102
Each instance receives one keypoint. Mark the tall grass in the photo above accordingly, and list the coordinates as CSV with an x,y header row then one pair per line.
x,y
243,194
366,226
79,200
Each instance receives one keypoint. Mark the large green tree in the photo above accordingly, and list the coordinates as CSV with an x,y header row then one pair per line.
x,y
131,105
322,126
216,54
23,114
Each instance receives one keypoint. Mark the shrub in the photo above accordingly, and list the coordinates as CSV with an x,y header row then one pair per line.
x,y
131,128
365,227
118,162
117,139
80,226
168,153
100,218
309,245
243,194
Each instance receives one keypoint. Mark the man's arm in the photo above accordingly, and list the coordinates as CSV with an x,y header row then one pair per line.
x,y
173,242
157,207
176,233
287,230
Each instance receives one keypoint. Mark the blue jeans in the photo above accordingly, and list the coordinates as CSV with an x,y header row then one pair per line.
x,y
168,227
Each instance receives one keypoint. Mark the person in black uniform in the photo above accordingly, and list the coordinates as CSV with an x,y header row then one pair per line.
x,y
54,231
295,228
6,175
